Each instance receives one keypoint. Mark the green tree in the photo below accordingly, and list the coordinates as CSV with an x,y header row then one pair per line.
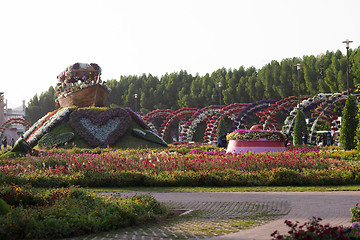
x,y
39,106
222,128
299,128
349,123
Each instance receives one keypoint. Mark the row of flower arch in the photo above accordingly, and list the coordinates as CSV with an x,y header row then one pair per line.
x,y
322,106
7,124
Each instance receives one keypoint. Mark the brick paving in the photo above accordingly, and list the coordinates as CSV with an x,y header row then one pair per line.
x,y
220,213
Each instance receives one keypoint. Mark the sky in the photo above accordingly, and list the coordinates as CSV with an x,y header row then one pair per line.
x,y
40,38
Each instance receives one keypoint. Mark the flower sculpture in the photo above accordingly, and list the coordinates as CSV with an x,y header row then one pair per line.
x,y
75,79
100,128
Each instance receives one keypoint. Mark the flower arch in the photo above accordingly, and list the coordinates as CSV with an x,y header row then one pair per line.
x,y
268,115
12,121
325,110
230,112
240,121
308,105
150,117
200,115
180,114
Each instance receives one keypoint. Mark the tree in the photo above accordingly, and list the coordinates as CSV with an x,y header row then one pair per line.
x,y
300,128
39,106
222,128
349,123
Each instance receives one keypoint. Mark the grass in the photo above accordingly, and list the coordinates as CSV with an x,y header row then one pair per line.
x,y
232,189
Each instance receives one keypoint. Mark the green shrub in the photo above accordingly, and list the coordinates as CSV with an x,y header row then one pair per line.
x,y
349,123
355,212
72,211
299,128
221,127
4,207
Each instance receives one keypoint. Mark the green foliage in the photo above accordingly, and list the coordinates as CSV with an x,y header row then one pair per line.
x,y
299,128
4,207
40,106
221,127
149,136
60,213
349,123
51,140
355,212
357,136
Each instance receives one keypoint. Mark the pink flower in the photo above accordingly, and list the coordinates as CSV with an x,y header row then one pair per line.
x,y
354,224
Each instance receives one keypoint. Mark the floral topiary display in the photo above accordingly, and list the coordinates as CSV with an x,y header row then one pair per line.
x,y
149,136
100,128
52,140
248,135
77,77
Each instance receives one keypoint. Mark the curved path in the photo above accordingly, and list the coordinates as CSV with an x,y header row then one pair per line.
x,y
332,207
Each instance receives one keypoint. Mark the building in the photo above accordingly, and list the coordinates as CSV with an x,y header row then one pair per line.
x,y
15,129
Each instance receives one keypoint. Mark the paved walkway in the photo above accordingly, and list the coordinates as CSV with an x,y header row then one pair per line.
x,y
332,207
214,208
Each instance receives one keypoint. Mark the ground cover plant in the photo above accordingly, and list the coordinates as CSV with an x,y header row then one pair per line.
x,y
178,166
65,212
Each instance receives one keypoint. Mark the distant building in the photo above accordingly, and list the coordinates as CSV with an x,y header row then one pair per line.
x,y
15,130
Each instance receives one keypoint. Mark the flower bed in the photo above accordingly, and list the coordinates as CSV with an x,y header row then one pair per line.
x,y
60,213
146,167
244,140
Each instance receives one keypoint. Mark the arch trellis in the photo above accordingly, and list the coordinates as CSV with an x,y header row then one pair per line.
x,y
240,121
180,114
305,104
156,114
239,113
189,128
228,112
200,115
12,121
325,110
284,105
320,101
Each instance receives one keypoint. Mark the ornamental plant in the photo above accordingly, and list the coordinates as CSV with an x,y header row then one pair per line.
x,y
248,135
349,122
299,128
70,212
314,230
355,211
221,127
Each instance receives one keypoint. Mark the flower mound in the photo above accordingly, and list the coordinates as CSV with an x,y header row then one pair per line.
x,y
100,129
248,135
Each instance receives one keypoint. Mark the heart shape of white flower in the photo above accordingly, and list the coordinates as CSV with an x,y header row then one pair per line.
x,y
101,133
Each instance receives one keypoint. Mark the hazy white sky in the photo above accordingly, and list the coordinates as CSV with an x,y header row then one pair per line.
x,y
40,38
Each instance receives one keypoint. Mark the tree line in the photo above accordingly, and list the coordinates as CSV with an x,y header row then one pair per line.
x,y
325,73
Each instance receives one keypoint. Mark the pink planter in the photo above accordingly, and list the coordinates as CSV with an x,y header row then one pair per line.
x,y
256,146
